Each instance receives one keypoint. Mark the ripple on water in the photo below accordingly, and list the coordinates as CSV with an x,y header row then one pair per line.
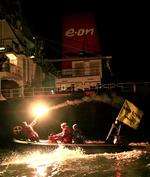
x,y
70,163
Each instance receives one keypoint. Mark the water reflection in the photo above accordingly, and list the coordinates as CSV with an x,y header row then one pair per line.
x,y
117,169
65,162
124,160
41,170
44,162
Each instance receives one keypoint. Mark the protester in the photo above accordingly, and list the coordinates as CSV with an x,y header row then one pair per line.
x,y
29,132
66,133
78,137
65,136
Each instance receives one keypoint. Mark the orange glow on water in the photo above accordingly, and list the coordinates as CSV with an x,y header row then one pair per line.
x,y
55,162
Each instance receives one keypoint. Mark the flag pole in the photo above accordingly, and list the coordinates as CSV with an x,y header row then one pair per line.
x,y
110,132
114,125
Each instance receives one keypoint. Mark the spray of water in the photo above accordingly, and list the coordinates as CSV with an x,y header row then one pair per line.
x,y
63,160
42,157
41,160
62,154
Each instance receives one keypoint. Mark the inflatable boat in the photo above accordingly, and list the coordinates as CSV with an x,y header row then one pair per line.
x,y
88,147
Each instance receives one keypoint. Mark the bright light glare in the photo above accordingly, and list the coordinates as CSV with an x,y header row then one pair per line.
x,y
40,109
32,56
2,48
12,58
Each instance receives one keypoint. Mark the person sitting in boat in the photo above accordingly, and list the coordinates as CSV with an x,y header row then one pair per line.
x,y
66,133
29,132
65,136
78,137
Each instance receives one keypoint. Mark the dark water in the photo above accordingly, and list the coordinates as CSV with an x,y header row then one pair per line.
x,y
63,162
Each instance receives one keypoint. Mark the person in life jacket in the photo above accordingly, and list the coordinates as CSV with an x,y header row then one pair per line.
x,y
65,136
78,137
29,132
66,133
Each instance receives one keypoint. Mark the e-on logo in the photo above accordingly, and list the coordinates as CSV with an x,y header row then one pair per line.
x,y
80,32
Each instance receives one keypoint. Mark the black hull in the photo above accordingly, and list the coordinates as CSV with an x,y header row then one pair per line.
x,y
88,148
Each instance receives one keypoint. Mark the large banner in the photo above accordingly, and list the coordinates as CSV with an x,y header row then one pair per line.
x,y
79,34
130,115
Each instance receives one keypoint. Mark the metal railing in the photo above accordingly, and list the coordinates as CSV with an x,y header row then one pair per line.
x,y
79,72
27,92
53,92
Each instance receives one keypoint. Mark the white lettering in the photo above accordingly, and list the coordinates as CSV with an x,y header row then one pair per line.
x,y
80,32
69,32
89,31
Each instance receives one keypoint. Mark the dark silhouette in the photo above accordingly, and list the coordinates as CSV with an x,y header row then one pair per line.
x,y
78,137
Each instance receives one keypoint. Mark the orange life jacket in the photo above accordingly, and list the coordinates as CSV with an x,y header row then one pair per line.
x,y
30,133
67,135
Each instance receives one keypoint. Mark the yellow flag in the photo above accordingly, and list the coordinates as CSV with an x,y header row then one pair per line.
x,y
130,114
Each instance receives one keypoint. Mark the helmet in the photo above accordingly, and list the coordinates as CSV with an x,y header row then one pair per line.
x,y
75,126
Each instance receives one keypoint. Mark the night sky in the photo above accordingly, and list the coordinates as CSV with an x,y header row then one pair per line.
x,y
122,27
45,19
